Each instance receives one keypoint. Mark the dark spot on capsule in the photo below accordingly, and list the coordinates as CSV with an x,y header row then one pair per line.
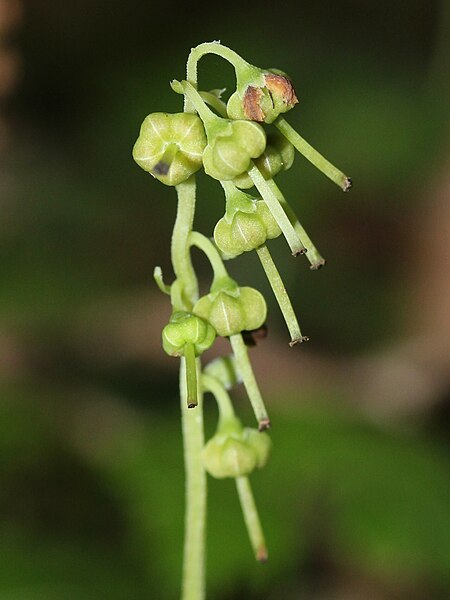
x,y
161,168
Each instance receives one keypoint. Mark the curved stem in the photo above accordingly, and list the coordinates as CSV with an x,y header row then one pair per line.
x,y
206,114
284,302
312,254
251,518
215,102
159,280
181,259
273,204
212,48
207,247
314,157
197,53
245,369
211,384
193,581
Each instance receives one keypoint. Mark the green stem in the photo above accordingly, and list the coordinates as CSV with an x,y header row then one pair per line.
x,y
201,242
193,578
211,384
208,48
215,102
245,369
206,114
191,375
277,285
181,259
314,157
273,204
159,280
251,518
312,254
193,581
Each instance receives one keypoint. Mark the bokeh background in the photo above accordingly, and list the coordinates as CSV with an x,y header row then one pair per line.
x,y
355,499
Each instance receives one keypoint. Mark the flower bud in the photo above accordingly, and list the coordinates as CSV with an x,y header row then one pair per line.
x,y
234,451
231,309
227,456
278,156
170,146
231,148
261,444
185,328
261,97
246,229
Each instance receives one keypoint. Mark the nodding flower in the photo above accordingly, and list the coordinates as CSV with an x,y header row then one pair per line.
x,y
231,143
277,157
246,225
234,451
185,328
231,309
170,146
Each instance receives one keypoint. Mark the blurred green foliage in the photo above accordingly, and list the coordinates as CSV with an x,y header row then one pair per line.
x,y
111,519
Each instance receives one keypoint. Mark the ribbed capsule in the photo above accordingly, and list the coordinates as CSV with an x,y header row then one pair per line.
x,y
170,146
185,328
278,156
245,231
232,309
231,148
236,452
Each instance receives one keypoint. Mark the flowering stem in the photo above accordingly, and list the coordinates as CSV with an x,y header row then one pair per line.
x,y
193,578
211,48
281,295
314,157
277,210
215,102
211,384
312,254
207,116
208,248
193,581
245,369
251,518
181,259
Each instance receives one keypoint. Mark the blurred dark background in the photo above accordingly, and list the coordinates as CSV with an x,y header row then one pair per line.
x,y
355,499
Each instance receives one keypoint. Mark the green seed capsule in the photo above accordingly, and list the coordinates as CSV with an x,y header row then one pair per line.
x,y
226,456
231,148
245,231
185,328
261,444
277,157
234,451
170,146
231,309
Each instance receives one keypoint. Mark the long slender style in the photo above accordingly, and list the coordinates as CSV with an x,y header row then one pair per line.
x,y
248,377
314,157
284,302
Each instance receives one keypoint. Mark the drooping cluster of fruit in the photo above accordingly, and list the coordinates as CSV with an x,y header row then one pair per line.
x,y
232,143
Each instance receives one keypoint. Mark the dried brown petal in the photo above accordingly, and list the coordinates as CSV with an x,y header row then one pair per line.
x,y
251,104
281,86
